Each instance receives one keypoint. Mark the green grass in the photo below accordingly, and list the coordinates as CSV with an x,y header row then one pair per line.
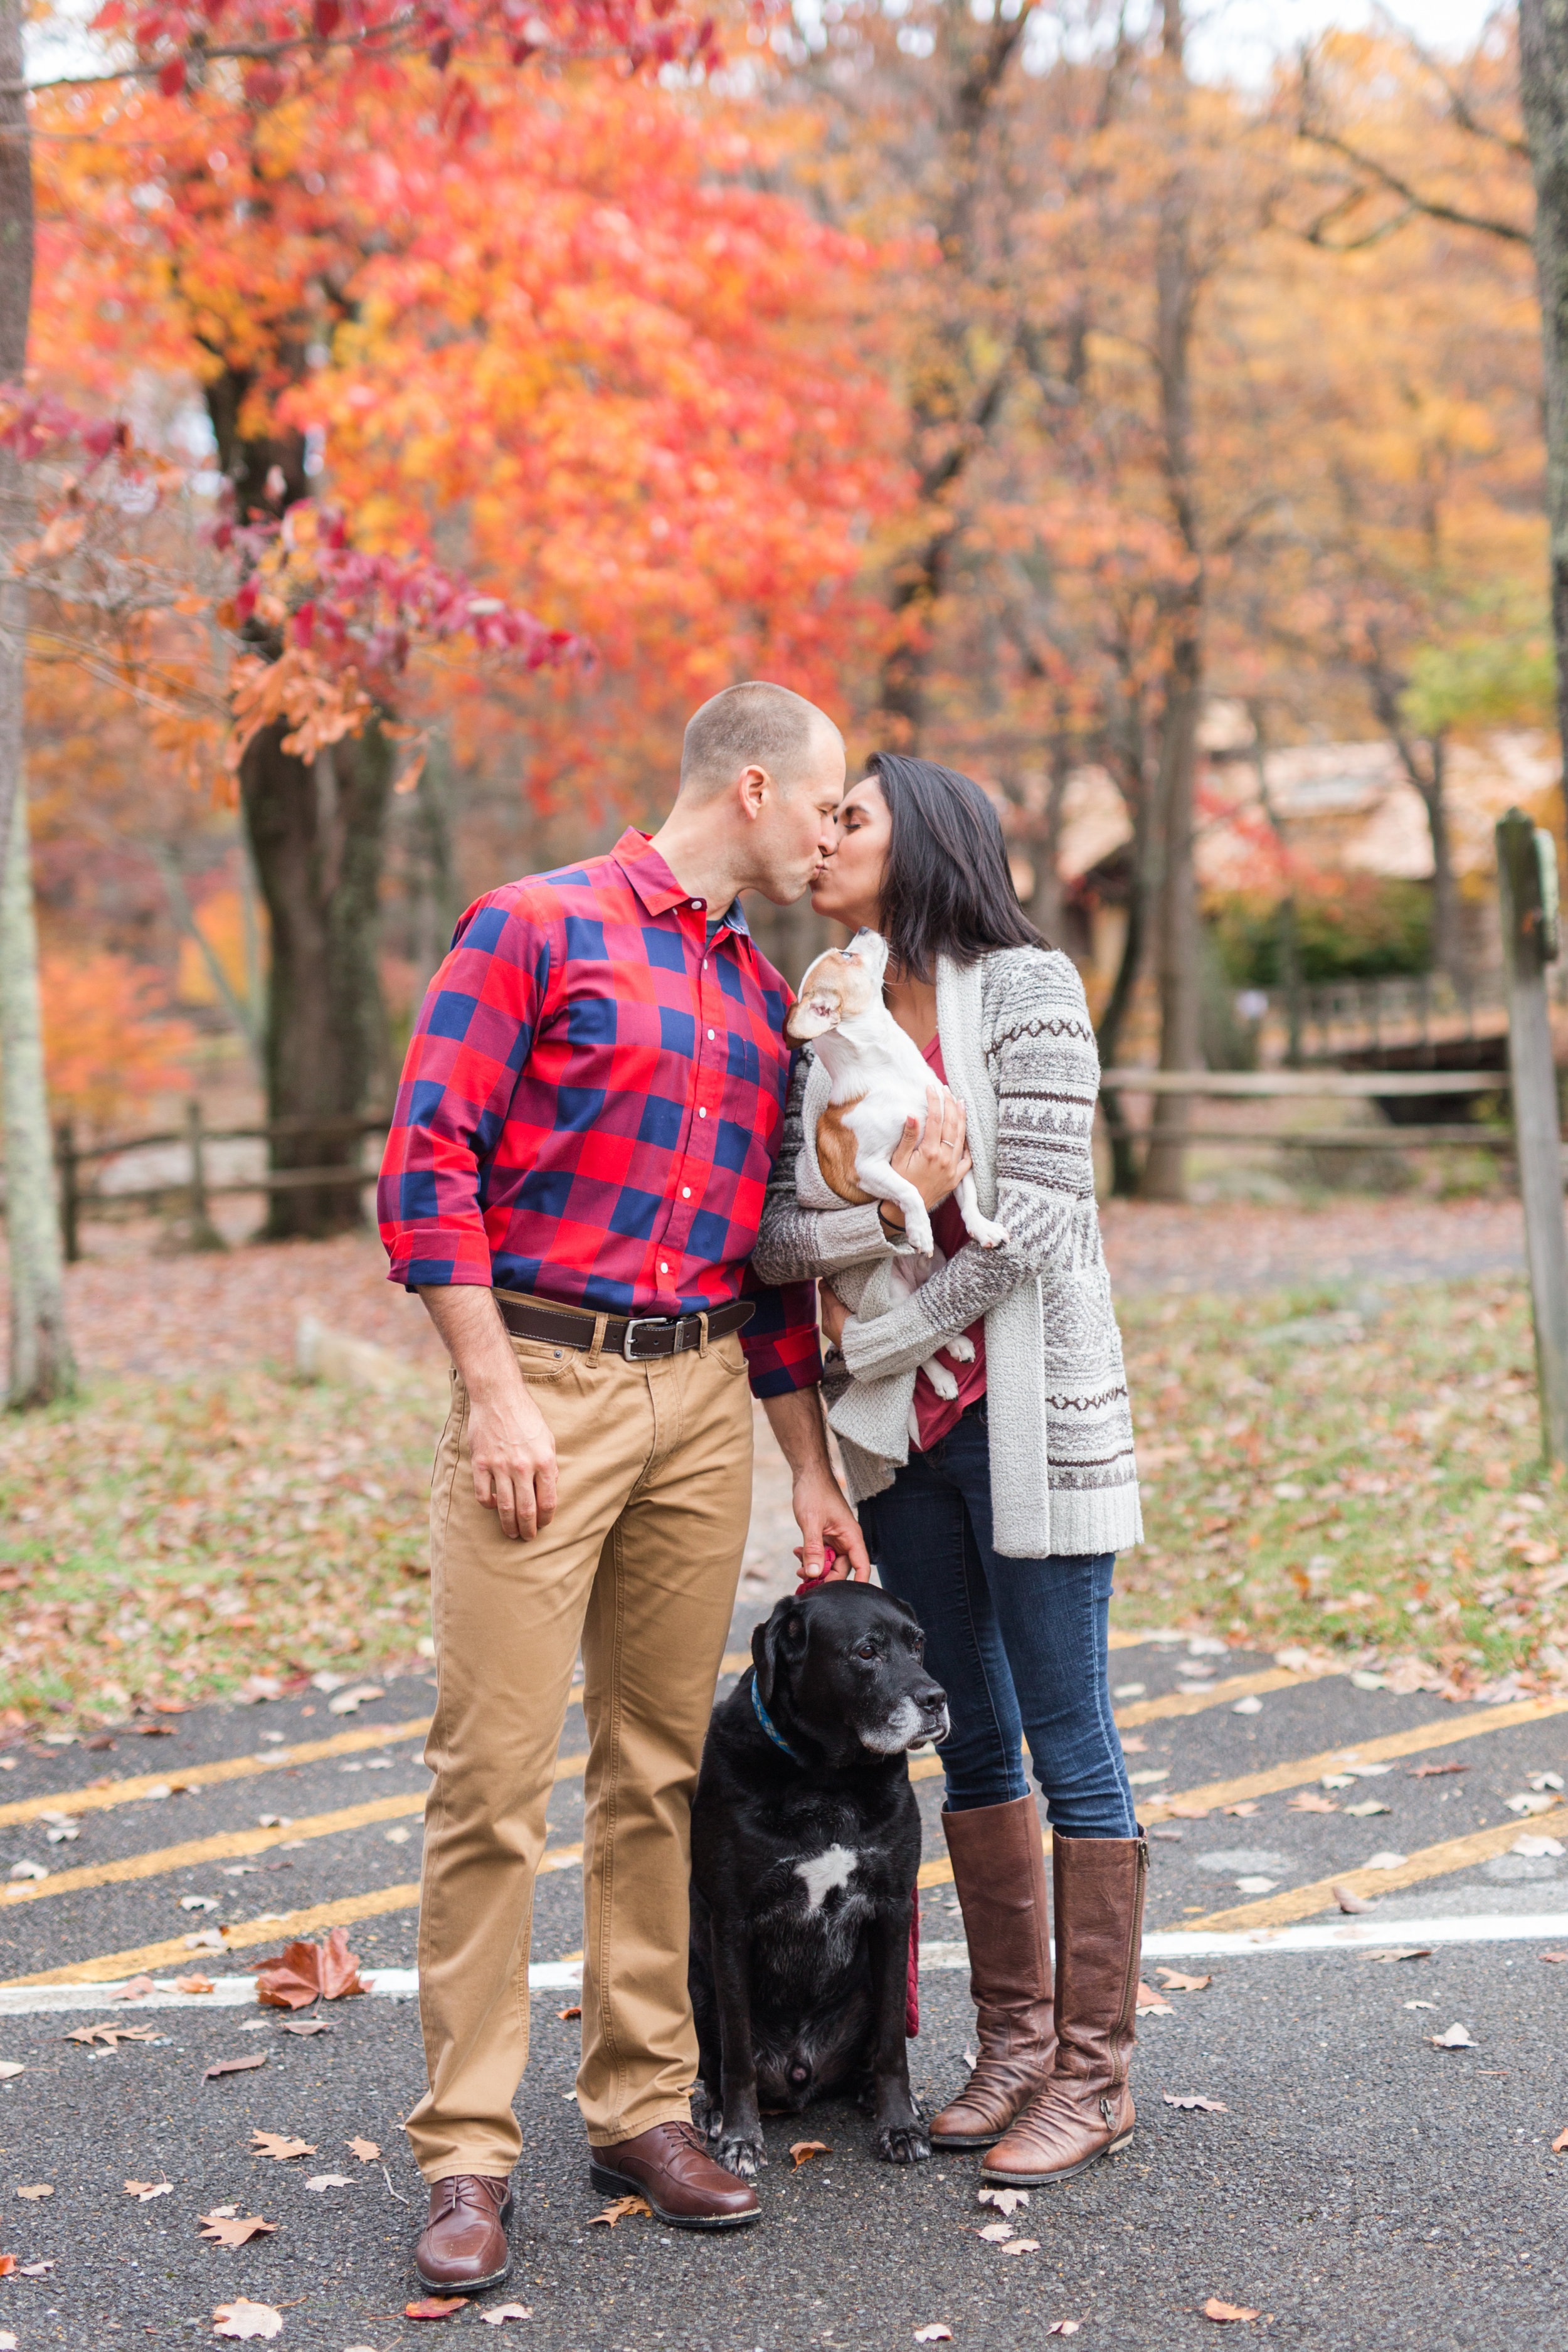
x,y
1347,1480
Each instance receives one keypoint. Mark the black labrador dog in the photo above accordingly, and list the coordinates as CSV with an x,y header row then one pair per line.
x,y
806,1842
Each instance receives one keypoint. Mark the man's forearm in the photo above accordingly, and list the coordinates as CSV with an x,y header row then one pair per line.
x,y
796,1421
474,1338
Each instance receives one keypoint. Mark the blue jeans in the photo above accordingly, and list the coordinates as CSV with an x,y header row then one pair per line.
x,y
1020,1646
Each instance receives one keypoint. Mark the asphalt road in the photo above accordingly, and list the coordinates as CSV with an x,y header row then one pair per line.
x,y
1361,2188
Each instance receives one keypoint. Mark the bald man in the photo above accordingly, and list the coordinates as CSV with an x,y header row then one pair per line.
x,y
591,1101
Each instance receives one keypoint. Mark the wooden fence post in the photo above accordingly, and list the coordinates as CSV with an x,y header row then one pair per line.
x,y
203,1233
1527,888
70,1196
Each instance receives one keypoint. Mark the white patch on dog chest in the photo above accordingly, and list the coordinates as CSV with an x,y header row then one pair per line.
x,y
826,1871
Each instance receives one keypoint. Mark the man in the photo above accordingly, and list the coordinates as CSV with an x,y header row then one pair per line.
x,y
590,1106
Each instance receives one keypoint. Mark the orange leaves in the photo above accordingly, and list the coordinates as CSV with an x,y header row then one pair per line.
x,y
320,708
225,2226
304,1972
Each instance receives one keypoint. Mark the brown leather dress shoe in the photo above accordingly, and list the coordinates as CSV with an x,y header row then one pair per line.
x,y
463,2246
669,2165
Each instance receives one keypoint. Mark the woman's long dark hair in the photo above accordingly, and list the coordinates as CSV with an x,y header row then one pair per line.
x,y
947,889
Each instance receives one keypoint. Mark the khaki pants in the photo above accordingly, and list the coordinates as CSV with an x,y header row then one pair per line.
x,y
639,1567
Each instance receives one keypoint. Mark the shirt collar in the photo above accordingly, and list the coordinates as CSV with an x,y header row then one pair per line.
x,y
657,886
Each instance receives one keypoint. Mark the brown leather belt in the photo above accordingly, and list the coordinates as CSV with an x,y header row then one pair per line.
x,y
638,1337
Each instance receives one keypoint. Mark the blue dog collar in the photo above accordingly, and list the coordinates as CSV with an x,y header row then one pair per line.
x,y
770,1726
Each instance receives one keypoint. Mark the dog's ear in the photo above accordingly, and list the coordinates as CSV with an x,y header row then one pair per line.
x,y
903,1605
808,1018
782,1640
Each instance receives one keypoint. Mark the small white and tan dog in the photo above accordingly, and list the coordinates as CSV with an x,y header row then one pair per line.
x,y
878,1078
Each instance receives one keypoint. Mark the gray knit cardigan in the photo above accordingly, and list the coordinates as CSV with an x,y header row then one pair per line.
x,y
1018,1048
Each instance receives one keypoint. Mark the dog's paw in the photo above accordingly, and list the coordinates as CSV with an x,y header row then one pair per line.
x,y
741,2154
940,1379
961,1349
904,2144
707,2114
918,1233
988,1235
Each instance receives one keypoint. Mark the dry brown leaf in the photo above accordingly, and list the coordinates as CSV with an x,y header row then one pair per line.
x,y
1215,2309
1174,1980
1064,2328
1349,1901
235,2065
279,2146
1006,2201
244,2319
500,2312
1307,1801
224,2227
1560,2144
1432,1772
935,2334
137,1988
143,2189
304,1972
1180,1809
10,2068
192,1984
618,2211
365,2149
35,2270
1402,1952
40,2189
304,2025
1554,1956
1206,2107
1152,2004
1242,1812
111,2036
995,2233
567,2015
1022,2246
434,2306
802,2150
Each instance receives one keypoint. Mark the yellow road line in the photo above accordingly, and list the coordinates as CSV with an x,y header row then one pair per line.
x,y
218,1848
1431,1862
109,1966
77,1801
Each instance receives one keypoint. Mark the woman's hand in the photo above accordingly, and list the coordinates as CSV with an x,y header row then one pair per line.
x,y
934,1161
835,1314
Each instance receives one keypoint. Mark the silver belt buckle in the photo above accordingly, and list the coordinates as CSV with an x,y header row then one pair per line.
x,y
636,1323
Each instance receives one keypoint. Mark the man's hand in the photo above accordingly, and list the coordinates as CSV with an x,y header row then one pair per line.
x,y
822,1510
936,1159
512,1450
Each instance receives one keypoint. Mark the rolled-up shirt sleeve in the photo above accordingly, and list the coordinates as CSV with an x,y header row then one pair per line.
x,y
470,1044
782,1346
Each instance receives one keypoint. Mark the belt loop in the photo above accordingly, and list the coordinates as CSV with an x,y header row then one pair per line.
x,y
702,1343
600,1324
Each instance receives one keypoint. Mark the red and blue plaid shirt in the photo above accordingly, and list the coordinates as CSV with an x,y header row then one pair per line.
x,y
591,1103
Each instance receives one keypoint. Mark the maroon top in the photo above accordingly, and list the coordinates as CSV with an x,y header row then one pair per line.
x,y
935,1416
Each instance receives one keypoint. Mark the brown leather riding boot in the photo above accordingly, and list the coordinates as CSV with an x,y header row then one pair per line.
x,y
1085,2109
999,1869
669,2165
463,2247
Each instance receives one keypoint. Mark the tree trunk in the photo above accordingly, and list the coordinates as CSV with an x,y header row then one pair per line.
x,y
1123,1158
42,1368
15,307
317,834
1447,937
1544,89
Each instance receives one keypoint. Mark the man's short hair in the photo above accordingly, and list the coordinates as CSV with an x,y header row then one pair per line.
x,y
754,725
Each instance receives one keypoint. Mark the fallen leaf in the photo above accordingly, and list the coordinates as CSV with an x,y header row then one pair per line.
x,y
205,1940
1560,2144
304,1972
1536,1848
7,2265
1215,2309
224,2227
1349,1901
566,2015
1458,2037
1530,1804
1250,1705
1365,1810
1206,2107
349,1702
435,2307
274,1820
192,1984
1433,1771
502,2311
40,2189
1385,1862
1402,1952
321,2180
143,2189
27,1870
365,2149
1554,1956
1338,1781
1180,1809
617,2212
996,2234
235,2065
802,2150
1241,1812
9,2067
279,2146
1064,2328
1418,2004
1545,1781
136,1988
34,2269
1309,1801
1149,2004
1174,1981
1006,2201
935,2334
1022,2246
245,2318
198,1902
111,2036
304,2025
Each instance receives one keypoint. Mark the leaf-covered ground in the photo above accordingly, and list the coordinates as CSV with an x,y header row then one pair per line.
x,y
1337,1469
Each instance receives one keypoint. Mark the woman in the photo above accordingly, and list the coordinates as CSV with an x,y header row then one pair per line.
x,y
1000,1520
